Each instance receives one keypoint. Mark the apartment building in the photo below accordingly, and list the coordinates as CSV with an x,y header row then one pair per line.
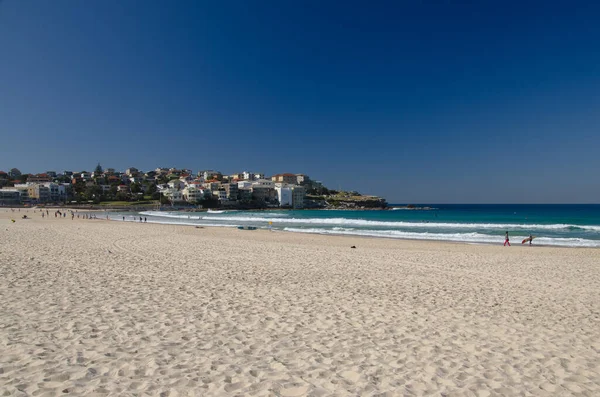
x,y
132,171
193,194
284,195
263,193
285,178
23,190
302,179
213,186
298,195
232,191
9,196
39,178
221,195
244,194
38,193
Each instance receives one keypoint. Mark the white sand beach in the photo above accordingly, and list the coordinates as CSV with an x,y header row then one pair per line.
x,y
94,307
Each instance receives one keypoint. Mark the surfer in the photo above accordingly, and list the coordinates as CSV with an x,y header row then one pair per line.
x,y
506,240
530,239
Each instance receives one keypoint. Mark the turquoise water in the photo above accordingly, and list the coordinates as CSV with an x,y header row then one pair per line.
x,y
558,225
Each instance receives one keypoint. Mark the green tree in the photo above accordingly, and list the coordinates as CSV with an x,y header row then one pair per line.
x,y
121,196
209,202
164,199
93,192
78,187
136,188
151,189
98,170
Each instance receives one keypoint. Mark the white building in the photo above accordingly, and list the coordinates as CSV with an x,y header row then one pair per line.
x,y
23,190
210,174
284,195
193,194
263,183
173,195
55,191
131,171
124,189
220,194
302,179
176,184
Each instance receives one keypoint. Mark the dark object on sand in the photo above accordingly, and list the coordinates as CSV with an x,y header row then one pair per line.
x,y
354,246
247,227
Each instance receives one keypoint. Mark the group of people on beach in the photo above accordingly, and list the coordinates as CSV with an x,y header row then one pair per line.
x,y
61,214
144,219
507,240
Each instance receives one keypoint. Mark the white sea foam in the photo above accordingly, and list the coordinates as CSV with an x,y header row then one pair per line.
x,y
215,215
342,226
413,209
182,222
392,224
458,237
177,215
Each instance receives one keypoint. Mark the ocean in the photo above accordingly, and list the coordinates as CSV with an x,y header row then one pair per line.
x,y
553,225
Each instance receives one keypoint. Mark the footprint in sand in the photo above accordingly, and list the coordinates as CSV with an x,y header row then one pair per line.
x,y
294,391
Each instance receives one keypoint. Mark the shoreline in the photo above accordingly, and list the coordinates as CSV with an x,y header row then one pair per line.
x,y
333,233
182,224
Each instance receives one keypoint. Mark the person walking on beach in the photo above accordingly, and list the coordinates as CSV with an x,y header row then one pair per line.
x,y
530,239
506,240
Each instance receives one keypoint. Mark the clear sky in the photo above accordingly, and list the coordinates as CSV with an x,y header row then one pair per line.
x,y
416,101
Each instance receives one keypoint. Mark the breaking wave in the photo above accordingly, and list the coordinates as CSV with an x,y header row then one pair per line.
x,y
457,237
393,224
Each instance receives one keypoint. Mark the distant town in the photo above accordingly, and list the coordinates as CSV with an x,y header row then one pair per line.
x,y
176,188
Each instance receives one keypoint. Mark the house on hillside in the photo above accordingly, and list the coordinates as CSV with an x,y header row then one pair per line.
x,y
39,178
285,178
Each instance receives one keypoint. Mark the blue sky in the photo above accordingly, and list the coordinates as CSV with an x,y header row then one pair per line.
x,y
415,101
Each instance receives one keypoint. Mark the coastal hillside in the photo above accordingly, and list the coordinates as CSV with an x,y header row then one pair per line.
x,y
345,200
